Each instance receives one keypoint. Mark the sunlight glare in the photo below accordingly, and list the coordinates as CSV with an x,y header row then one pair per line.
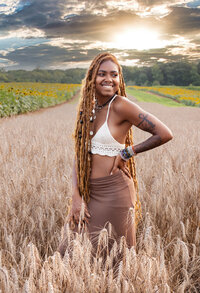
x,y
139,39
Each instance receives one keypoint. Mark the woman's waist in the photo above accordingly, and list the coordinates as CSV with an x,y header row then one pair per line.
x,y
101,165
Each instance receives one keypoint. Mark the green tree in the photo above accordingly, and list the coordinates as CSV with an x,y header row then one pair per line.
x,y
157,74
198,68
3,77
142,78
181,73
195,77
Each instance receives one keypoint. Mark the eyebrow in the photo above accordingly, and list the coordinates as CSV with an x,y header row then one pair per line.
x,y
106,71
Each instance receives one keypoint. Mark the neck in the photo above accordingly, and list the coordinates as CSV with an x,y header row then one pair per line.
x,y
103,100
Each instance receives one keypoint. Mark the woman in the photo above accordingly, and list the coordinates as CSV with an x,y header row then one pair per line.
x,y
104,178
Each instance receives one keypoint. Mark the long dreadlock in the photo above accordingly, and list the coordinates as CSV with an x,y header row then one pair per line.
x,y
82,130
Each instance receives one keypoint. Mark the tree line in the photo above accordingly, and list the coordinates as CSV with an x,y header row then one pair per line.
x,y
175,73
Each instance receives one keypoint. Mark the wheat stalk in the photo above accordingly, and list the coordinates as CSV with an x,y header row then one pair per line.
x,y
35,193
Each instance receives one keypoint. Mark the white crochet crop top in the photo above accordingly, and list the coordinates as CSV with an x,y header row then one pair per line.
x,y
103,143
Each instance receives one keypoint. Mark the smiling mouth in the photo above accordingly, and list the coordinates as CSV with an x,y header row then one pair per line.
x,y
107,86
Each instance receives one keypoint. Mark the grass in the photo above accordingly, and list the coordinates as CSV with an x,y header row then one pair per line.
x,y
152,98
192,87
35,187
182,95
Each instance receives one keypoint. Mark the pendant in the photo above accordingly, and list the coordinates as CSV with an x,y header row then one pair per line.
x,y
91,132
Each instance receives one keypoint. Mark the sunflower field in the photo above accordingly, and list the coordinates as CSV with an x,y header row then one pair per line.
x,y
17,98
187,96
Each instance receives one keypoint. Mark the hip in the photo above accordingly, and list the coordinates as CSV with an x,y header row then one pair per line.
x,y
116,188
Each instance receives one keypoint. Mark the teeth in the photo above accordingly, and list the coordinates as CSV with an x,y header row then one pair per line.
x,y
107,85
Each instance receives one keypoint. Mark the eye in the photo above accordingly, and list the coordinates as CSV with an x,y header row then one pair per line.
x,y
100,74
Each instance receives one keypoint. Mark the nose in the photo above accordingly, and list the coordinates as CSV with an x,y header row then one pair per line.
x,y
108,77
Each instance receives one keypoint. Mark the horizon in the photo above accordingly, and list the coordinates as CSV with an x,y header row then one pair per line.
x,y
82,68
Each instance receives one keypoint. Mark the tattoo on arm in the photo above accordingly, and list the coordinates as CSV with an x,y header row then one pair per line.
x,y
146,124
152,142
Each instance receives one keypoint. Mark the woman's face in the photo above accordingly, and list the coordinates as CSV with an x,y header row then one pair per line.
x,y
107,79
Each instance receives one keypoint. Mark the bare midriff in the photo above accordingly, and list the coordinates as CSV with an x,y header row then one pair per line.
x,y
101,165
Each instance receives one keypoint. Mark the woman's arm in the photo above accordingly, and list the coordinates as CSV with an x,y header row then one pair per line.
x,y
148,122
74,179
76,200
138,117
160,132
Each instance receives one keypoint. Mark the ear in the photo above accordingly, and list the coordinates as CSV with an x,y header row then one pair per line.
x,y
118,92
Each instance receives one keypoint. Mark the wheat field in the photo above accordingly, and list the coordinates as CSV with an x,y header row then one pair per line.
x,y
36,153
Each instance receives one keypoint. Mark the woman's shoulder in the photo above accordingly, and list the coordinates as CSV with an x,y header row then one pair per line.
x,y
125,108
121,103
120,100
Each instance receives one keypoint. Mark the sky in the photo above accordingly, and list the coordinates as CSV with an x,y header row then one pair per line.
x,y
62,34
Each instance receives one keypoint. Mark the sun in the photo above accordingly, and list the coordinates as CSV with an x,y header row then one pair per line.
x,y
138,38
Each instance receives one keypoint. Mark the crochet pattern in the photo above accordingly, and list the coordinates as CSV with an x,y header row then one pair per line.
x,y
105,150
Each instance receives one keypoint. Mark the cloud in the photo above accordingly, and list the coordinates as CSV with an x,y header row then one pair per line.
x,y
83,19
49,56
9,6
150,3
145,58
183,21
25,33
69,33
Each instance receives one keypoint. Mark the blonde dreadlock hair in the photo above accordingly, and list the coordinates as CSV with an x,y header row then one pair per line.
x,y
82,130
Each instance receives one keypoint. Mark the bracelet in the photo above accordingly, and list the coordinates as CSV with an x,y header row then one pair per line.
x,y
127,153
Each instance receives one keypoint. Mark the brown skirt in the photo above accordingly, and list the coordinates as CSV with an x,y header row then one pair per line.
x,y
111,206
111,198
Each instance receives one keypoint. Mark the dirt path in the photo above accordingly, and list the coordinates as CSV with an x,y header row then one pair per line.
x,y
67,111
163,96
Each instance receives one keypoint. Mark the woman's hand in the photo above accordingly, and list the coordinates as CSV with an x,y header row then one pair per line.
x,y
76,208
119,163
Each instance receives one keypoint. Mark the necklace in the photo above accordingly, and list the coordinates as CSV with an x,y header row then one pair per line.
x,y
99,107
